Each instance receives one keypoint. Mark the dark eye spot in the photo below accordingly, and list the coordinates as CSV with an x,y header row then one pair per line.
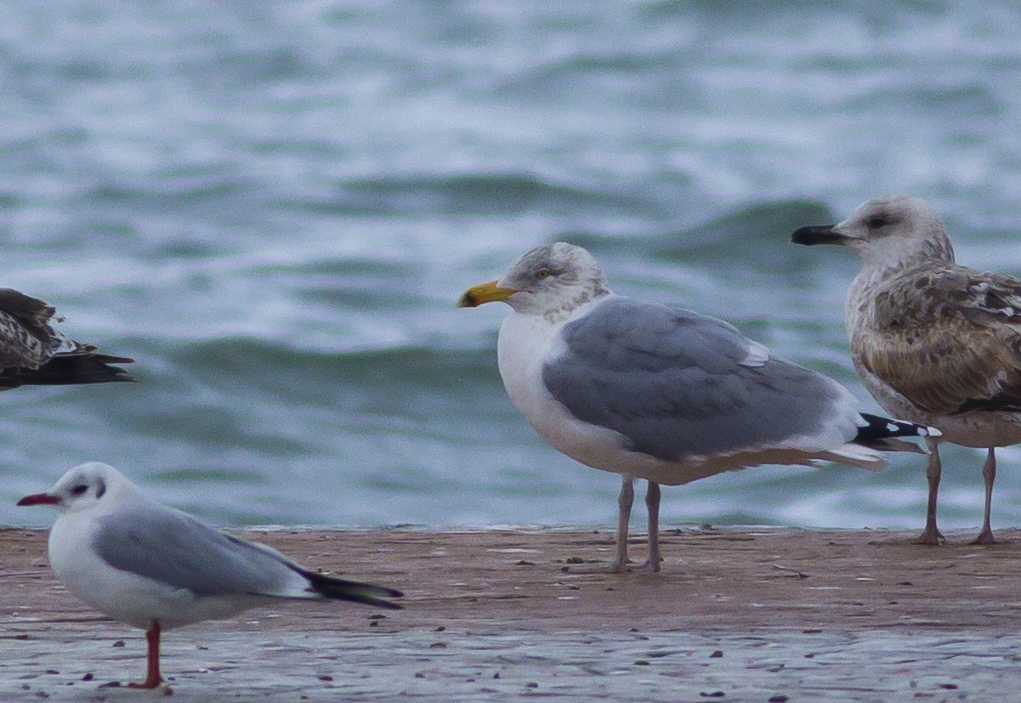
x,y
877,222
79,489
542,273
100,489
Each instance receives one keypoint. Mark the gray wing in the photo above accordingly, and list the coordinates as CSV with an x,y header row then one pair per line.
x,y
172,547
678,384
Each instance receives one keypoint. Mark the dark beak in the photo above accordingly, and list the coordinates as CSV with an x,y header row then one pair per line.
x,y
817,234
39,499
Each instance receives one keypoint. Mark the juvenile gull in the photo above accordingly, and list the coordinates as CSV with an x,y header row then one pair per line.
x,y
33,353
659,392
934,342
157,568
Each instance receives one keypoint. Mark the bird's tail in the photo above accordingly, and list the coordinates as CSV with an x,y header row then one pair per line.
x,y
339,589
883,433
83,366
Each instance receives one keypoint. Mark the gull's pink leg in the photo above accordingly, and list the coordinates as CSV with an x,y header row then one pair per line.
x,y
931,534
152,675
989,474
624,501
652,495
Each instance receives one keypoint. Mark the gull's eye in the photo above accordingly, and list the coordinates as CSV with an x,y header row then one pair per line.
x,y
79,489
542,273
877,222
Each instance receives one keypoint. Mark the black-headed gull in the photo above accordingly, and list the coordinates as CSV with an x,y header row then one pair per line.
x,y
158,568
934,342
33,353
659,392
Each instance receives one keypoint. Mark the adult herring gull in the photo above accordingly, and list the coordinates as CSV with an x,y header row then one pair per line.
x,y
934,342
33,353
660,392
156,568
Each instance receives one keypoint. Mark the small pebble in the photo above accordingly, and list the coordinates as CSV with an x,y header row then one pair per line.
x,y
118,643
778,699
718,654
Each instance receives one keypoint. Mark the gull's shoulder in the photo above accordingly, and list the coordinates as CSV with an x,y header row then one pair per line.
x,y
942,295
621,326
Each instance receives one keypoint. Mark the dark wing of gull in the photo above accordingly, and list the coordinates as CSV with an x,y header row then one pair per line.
x,y
26,338
948,339
174,548
33,353
678,384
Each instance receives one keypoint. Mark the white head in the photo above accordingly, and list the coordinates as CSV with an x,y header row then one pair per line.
x,y
549,280
86,486
893,230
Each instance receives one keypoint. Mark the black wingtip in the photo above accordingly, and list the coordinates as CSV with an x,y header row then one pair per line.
x,y
881,428
69,369
354,591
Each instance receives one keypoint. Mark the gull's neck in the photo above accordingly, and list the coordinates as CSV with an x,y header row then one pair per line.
x,y
882,273
567,304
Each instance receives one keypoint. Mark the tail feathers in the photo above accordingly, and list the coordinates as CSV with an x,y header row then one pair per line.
x,y
339,589
881,433
69,369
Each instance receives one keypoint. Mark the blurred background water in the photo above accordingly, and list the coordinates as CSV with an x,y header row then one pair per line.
x,y
274,206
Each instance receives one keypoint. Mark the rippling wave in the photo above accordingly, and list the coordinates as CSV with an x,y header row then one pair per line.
x,y
274,208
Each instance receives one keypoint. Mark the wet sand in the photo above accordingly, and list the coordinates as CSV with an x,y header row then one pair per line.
x,y
735,615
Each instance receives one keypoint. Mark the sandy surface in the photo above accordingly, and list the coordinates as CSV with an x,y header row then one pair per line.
x,y
738,615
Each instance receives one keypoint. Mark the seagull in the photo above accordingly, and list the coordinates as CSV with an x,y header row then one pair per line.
x,y
33,353
935,342
660,392
157,568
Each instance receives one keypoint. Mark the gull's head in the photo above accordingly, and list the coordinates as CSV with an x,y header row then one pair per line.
x,y
889,231
549,280
86,486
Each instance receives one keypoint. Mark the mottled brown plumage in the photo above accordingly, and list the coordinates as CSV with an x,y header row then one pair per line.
x,y
934,342
33,353
947,338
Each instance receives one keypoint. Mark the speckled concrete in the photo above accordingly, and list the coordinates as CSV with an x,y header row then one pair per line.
x,y
493,615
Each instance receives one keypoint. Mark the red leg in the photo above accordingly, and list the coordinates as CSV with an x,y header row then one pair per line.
x,y
152,671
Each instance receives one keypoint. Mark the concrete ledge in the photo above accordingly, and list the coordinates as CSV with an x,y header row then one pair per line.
x,y
856,614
